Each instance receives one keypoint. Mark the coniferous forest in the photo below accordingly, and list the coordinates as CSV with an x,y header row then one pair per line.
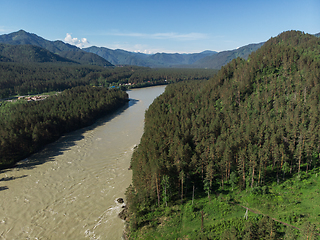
x,y
26,127
253,126
215,144
87,92
22,79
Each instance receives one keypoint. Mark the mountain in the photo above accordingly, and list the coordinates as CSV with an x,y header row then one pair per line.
x,y
85,58
122,57
177,59
106,57
206,59
58,47
222,58
28,53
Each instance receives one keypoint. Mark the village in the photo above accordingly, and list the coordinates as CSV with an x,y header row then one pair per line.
x,y
33,98
27,98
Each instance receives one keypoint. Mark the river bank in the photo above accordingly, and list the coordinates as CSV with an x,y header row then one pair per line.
x,y
69,189
25,128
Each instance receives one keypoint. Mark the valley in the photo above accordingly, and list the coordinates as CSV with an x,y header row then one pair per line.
x,y
229,150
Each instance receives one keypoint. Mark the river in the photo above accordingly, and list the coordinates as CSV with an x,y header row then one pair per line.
x,y
69,189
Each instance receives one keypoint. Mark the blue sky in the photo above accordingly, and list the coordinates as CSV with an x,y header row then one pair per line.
x,y
182,26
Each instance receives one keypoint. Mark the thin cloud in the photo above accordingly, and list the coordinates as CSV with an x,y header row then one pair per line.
x,y
4,29
188,36
80,43
139,48
169,35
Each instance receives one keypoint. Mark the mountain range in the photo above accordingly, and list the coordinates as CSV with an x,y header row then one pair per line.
x,y
122,57
222,58
62,50
58,51
206,59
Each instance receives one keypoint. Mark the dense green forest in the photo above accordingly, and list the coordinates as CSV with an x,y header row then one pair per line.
x,y
25,127
30,64
255,124
22,79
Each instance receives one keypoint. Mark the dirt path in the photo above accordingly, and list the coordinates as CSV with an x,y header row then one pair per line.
x,y
256,212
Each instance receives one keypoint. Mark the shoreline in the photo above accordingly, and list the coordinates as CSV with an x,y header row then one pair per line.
x,y
13,163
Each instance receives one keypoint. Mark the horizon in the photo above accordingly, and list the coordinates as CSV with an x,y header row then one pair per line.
x,y
160,27
66,42
142,52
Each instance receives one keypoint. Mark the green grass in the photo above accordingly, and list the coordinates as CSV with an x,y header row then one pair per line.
x,y
5,106
295,201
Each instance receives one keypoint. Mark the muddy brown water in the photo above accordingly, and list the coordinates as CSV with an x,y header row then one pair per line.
x,y
69,189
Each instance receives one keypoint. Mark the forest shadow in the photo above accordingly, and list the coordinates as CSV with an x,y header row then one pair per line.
x,y
67,141
132,102
5,179
11,178
3,188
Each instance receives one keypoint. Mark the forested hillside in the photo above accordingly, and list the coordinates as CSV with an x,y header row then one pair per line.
x,y
28,54
255,123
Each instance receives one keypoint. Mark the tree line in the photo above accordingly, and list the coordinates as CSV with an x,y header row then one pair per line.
x,y
34,78
25,127
254,123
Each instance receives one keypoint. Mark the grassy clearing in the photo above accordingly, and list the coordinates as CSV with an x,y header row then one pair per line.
x,y
294,206
6,105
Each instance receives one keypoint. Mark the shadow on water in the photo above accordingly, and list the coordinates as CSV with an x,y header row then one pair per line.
x,y
11,178
3,188
65,142
5,179
132,102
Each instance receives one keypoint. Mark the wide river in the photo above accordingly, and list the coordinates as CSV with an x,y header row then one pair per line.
x,y
69,189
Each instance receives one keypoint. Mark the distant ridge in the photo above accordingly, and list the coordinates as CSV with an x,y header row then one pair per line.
x,y
119,56
222,58
176,58
107,57
122,57
22,37
205,59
